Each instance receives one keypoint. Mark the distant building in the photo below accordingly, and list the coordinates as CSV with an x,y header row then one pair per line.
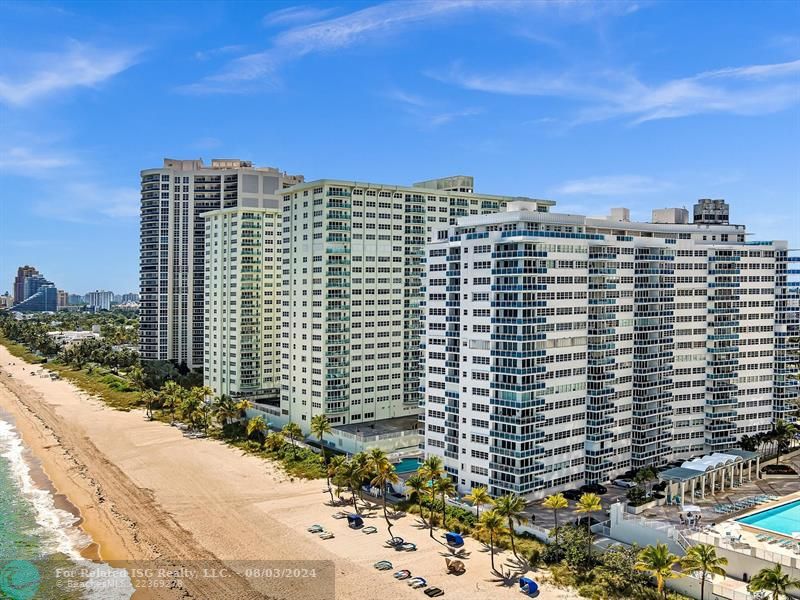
x,y
130,297
62,299
174,198
75,300
99,300
19,282
6,300
44,299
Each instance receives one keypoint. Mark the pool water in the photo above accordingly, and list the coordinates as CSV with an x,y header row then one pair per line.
x,y
783,519
407,465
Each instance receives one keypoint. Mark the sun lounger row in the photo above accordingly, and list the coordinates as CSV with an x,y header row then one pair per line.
x,y
779,542
416,583
743,503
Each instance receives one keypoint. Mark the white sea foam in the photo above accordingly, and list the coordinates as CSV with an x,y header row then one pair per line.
x,y
58,529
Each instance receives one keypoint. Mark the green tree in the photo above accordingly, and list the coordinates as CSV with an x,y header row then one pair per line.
x,y
257,427
512,507
149,398
171,396
773,581
479,496
703,559
385,475
274,441
493,524
225,410
445,487
782,433
319,427
587,505
351,474
431,470
415,486
556,502
659,562
293,432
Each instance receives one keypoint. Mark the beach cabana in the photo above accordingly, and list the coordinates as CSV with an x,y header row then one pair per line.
x,y
528,586
355,521
454,539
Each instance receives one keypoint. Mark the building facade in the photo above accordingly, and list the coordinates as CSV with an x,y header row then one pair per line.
x,y
172,243
19,282
63,299
562,349
44,299
351,289
99,300
242,302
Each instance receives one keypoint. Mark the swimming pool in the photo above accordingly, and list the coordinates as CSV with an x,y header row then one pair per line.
x,y
783,519
407,465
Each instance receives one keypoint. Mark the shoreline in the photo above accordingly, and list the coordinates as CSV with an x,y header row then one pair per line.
x,y
145,492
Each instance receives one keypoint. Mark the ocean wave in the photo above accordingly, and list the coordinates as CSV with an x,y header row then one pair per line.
x,y
58,529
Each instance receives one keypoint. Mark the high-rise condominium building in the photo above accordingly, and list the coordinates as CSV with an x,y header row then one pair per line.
x,y
174,198
242,302
37,293
19,282
563,349
62,299
351,300
99,300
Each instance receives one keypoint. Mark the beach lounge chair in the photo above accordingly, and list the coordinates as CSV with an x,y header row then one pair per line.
x,y
456,567
395,541
528,586
408,547
383,565
417,583
404,574
434,592
370,529
315,529
327,535
340,515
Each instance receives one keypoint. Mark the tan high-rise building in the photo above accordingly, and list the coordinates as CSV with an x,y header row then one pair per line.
x,y
174,199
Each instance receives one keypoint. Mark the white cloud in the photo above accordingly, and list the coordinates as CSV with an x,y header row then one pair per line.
x,y
612,185
46,73
747,90
427,113
24,161
85,202
361,26
296,14
221,51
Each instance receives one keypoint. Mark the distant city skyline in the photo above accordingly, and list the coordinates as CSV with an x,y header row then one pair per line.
x,y
593,105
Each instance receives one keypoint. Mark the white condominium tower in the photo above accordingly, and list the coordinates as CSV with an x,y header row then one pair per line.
x,y
352,273
562,349
174,198
242,302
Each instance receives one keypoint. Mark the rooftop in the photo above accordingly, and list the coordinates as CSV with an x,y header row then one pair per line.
x,y
392,427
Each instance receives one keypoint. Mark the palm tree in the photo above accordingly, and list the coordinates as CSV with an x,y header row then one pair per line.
x,y
138,379
773,581
512,507
703,558
274,441
659,562
332,470
415,485
478,497
364,469
385,476
293,431
351,474
494,524
319,427
148,397
782,432
445,487
431,469
588,504
258,427
556,502
242,406
171,395
225,410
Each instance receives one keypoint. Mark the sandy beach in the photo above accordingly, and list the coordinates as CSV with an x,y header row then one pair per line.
x,y
147,493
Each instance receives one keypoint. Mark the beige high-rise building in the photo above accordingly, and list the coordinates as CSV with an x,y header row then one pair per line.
x,y
242,303
174,199
351,289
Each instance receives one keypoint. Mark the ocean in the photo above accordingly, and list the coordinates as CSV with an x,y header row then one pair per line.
x,y
41,543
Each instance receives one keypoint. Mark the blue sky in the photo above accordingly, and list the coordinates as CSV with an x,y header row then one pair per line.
x,y
644,104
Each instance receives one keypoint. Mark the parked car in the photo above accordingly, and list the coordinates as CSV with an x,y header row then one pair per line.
x,y
593,488
623,483
586,522
572,494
